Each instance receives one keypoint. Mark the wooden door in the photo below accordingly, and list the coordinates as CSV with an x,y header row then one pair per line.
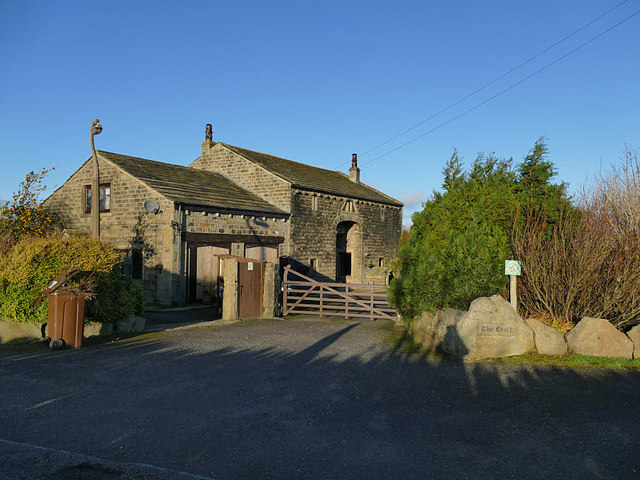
x,y
250,275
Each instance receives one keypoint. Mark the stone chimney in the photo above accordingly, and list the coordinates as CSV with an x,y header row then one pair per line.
x,y
354,171
208,138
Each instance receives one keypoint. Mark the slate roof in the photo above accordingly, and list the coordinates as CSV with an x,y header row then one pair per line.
x,y
190,186
314,178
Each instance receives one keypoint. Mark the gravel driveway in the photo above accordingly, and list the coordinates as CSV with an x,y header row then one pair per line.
x,y
305,399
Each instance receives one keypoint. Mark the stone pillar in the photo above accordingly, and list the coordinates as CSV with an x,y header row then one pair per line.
x,y
230,295
271,291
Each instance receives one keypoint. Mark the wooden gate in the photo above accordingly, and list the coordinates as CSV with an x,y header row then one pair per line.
x,y
334,299
250,280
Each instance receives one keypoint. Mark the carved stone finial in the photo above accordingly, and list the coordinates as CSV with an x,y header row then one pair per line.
x,y
354,160
96,128
209,133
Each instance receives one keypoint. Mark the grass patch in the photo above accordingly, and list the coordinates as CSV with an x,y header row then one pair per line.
x,y
404,343
571,360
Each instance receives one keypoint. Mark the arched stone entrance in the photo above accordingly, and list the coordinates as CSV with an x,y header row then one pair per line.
x,y
348,252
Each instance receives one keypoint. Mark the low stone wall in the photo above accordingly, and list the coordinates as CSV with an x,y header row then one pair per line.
x,y
491,328
13,332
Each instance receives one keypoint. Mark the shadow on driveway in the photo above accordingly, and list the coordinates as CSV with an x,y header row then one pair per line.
x,y
295,399
159,319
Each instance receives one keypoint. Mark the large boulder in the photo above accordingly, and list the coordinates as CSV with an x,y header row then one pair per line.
x,y
548,340
634,335
419,329
431,329
491,328
597,337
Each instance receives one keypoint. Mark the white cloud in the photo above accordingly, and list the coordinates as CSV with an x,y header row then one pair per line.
x,y
414,200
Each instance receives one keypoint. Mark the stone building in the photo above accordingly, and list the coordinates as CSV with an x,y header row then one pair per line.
x,y
177,221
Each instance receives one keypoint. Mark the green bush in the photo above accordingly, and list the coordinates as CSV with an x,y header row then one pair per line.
x,y
458,243
31,265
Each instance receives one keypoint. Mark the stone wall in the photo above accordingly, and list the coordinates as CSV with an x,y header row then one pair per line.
x,y
314,221
218,158
126,225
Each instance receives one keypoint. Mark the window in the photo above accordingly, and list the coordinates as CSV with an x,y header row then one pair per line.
x,y
105,198
314,203
313,264
136,261
382,262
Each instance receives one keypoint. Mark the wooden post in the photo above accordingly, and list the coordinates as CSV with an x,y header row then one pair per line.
x,y
371,312
321,298
346,302
513,296
284,290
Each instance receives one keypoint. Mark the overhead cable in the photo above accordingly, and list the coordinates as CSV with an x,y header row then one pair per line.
x,y
499,93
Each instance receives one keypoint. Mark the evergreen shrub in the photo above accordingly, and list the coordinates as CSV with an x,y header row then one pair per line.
x,y
458,243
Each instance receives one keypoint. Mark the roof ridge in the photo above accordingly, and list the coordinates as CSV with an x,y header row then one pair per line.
x,y
279,158
142,158
301,175
164,179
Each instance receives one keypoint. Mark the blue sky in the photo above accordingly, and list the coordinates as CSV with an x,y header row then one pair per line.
x,y
315,82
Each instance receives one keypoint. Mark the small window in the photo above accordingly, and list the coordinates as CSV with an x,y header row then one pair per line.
x,y
314,203
382,262
313,264
136,261
105,198
87,199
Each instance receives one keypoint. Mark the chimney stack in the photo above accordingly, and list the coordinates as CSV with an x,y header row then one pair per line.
x,y
354,171
208,138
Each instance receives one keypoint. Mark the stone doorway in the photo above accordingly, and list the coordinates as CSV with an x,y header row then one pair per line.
x,y
348,252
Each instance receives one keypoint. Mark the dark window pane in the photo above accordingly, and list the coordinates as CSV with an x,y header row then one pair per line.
x,y
136,260
87,199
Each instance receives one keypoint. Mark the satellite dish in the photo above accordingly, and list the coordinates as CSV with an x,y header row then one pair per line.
x,y
151,206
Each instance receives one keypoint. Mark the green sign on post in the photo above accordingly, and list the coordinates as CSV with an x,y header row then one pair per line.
x,y
512,267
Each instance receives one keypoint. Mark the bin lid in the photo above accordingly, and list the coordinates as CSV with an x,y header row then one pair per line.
x,y
60,280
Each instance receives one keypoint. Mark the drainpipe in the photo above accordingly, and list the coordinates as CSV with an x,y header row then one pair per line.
x,y
178,226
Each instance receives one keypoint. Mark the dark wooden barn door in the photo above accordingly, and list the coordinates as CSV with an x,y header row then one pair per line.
x,y
250,276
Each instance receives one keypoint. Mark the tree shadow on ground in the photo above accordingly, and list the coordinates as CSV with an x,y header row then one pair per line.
x,y
319,400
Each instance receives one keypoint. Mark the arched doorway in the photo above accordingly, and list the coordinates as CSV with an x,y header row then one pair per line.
x,y
348,252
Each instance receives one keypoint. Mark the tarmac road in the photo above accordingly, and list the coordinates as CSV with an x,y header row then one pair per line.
x,y
305,399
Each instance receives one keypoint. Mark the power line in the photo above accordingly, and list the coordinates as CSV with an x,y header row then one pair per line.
x,y
496,79
492,81
499,93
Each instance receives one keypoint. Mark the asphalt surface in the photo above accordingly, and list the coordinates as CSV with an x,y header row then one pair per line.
x,y
304,399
